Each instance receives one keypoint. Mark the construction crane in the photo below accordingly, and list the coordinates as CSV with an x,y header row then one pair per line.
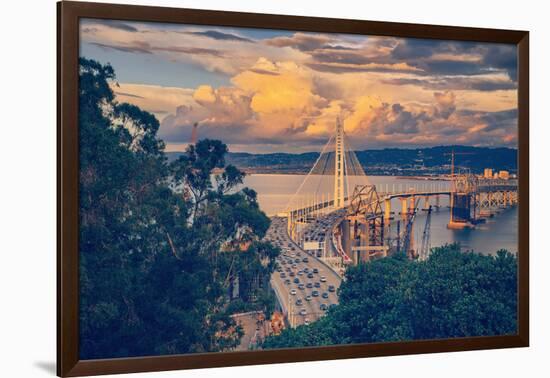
x,y
453,154
398,235
425,246
408,233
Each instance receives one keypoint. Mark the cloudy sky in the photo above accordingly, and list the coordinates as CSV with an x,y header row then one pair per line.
x,y
270,90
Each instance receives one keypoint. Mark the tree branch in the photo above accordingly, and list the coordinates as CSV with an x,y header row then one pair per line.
x,y
172,247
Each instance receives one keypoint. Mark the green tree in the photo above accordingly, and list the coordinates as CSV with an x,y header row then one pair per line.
x,y
160,243
452,294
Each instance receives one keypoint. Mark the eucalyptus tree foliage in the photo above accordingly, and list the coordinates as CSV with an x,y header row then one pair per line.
x,y
151,281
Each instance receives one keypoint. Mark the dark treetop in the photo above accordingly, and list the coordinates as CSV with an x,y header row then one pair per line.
x,y
452,294
160,246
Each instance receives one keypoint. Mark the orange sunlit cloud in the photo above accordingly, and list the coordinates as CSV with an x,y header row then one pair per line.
x,y
263,90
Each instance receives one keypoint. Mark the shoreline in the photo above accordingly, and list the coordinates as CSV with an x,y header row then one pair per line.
x,y
399,177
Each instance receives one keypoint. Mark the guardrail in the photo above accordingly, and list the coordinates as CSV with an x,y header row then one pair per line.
x,y
279,299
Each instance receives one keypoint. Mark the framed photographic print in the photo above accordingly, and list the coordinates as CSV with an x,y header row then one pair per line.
x,y
240,188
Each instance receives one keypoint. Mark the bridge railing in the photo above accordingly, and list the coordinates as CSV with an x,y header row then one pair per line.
x,y
497,184
421,187
417,187
382,190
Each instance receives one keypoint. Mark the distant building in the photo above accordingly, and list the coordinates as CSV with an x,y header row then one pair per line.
x,y
488,173
504,175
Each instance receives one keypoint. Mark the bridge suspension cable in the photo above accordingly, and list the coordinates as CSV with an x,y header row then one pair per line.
x,y
330,182
306,179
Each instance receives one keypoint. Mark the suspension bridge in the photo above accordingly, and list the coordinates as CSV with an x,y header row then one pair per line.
x,y
337,218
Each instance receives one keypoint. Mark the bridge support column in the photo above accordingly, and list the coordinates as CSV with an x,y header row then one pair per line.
x,y
404,209
387,210
437,202
501,199
426,203
412,204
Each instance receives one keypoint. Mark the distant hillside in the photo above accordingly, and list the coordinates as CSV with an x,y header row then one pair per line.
x,y
388,161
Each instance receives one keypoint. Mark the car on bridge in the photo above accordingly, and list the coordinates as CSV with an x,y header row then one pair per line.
x,y
323,279
310,275
309,285
317,285
283,275
293,292
296,280
299,302
303,312
323,307
308,298
315,293
331,288
325,295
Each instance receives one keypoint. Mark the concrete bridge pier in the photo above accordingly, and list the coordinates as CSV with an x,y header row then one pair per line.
x,y
412,204
404,208
509,199
387,210
513,198
460,211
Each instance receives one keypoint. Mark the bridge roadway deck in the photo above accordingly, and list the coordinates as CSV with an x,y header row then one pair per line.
x,y
292,260
383,195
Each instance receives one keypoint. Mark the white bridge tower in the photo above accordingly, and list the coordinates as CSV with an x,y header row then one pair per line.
x,y
339,166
